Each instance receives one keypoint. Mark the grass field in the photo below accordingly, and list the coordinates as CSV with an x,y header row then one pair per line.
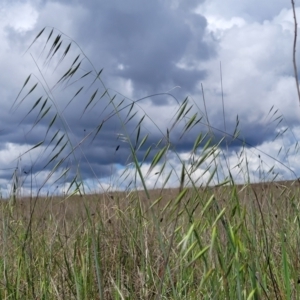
x,y
234,242
197,241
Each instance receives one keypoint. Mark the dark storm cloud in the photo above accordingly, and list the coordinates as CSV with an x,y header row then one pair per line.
x,y
156,44
189,4
144,42
152,46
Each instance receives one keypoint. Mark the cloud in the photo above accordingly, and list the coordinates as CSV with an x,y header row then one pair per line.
x,y
144,42
19,16
252,11
165,50
257,74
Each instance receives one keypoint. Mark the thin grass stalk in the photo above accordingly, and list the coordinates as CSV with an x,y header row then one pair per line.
x,y
294,49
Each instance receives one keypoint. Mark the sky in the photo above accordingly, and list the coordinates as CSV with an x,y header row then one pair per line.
x,y
231,60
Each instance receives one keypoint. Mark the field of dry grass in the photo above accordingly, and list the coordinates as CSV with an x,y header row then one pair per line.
x,y
214,243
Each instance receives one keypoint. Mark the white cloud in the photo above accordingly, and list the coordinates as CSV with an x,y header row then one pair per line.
x,y
257,67
20,16
252,10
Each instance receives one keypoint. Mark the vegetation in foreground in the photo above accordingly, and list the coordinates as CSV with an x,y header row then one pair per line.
x,y
233,242
226,242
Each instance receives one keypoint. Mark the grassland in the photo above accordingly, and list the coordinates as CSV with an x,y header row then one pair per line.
x,y
233,242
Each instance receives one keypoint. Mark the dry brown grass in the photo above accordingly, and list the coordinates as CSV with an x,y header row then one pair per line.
x,y
52,242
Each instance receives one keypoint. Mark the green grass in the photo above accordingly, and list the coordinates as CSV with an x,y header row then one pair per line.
x,y
239,243
192,242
